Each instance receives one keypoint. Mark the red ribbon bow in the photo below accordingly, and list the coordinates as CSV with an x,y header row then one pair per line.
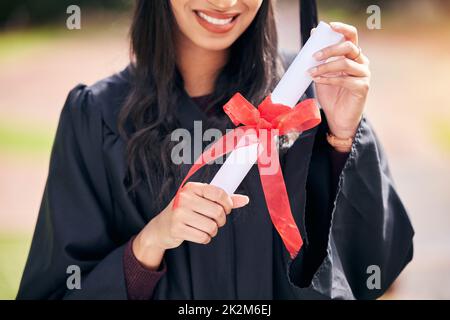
x,y
277,119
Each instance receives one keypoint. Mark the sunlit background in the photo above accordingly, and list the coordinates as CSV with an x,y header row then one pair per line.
x,y
409,105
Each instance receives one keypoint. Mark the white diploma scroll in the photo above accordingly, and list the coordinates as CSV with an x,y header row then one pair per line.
x,y
288,92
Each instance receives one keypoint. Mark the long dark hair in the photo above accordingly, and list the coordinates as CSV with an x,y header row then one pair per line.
x,y
253,69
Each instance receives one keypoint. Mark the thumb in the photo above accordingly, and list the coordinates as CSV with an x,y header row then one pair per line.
x,y
239,200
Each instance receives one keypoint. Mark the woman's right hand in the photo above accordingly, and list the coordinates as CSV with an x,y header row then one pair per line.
x,y
201,211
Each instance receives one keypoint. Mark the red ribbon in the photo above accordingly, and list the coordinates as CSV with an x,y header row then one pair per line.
x,y
276,119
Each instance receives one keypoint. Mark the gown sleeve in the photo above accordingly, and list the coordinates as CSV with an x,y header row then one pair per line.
x,y
356,231
75,222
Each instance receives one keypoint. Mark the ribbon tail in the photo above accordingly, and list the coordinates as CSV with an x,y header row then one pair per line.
x,y
277,198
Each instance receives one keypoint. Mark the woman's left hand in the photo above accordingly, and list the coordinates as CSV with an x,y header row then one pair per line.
x,y
342,83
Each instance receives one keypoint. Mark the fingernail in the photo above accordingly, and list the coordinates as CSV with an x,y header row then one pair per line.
x,y
318,55
312,70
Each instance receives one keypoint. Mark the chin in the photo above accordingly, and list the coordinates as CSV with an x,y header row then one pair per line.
x,y
214,44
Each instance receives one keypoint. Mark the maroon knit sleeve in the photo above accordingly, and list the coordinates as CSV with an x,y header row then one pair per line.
x,y
140,281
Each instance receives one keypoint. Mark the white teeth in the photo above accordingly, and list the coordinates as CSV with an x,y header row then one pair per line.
x,y
219,22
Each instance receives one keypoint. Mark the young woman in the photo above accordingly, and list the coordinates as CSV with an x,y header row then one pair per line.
x,y
107,207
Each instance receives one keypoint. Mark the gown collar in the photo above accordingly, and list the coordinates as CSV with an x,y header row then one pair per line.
x,y
187,110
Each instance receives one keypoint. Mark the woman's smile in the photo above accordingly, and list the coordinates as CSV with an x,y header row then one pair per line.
x,y
214,25
215,21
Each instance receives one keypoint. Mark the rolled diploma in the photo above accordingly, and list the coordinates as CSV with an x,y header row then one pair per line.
x,y
288,92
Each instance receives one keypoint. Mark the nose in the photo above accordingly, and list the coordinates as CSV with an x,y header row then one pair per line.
x,y
223,4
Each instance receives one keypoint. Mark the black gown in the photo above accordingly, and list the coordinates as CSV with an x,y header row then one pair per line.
x,y
87,217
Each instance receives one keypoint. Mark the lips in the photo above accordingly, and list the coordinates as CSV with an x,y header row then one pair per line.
x,y
216,22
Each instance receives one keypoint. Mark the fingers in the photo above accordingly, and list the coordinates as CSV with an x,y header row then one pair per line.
x,y
359,86
219,196
209,209
347,49
239,200
200,222
212,193
194,235
204,207
192,226
349,32
347,66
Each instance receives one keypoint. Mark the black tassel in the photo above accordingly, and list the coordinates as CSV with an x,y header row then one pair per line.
x,y
308,18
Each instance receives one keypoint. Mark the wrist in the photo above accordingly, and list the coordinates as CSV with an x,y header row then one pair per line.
x,y
147,252
343,145
344,132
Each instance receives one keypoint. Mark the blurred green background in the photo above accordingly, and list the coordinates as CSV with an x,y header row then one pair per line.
x,y
41,60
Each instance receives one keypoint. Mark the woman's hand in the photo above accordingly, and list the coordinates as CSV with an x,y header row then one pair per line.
x,y
342,83
202,210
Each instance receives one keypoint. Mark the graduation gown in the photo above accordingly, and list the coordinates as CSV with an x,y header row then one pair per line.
x,y
87,217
